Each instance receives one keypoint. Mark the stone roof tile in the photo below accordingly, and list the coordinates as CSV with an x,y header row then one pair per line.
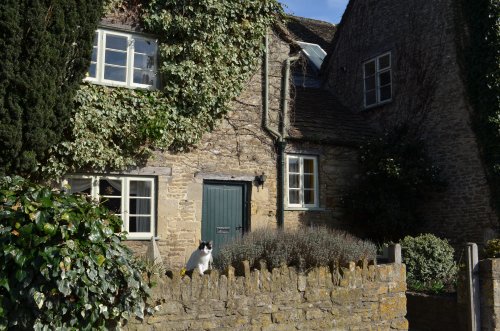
x,y
317,115
311,31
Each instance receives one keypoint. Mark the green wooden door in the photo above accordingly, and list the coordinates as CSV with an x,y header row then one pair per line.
x,y
225,213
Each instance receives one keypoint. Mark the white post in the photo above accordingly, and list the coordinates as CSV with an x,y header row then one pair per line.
x,y
474,305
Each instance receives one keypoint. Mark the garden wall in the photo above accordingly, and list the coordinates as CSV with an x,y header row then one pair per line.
x,y
355,297
435,312
489,273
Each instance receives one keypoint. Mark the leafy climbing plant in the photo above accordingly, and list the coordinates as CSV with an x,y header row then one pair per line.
x,y
397,175
207,51
481,61
62,266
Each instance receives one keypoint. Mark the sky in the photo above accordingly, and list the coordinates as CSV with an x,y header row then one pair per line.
x,y
324,10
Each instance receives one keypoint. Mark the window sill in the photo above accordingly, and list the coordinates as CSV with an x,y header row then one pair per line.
x,y
111,84
304,209
377,105
141,238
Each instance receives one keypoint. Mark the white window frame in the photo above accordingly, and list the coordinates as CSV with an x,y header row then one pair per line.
x,y
129,79
301,159
125,201
377,74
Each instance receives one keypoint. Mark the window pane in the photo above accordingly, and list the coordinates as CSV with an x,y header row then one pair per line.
x,y
139,188
369,68
143,61
80,185
96,36
145,77
385,78
94,54
116,58
293,165
384,62
115,73
370,98
293,181
309,181
293,196
113,204
116,42
140,206
92,70
309,197
385,93
308,166
110,187
139,224
370,83
144,46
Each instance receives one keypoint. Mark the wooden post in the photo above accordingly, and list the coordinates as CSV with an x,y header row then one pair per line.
x,y
473,306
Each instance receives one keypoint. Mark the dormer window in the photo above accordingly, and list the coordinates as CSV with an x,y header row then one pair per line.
x,y
377,80
123,59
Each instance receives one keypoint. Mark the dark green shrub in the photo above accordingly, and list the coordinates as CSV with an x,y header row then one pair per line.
x,y
305,248
61,264
492,248
397,175
430,266
46,48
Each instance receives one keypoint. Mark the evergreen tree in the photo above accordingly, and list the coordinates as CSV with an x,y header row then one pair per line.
x,y
45,48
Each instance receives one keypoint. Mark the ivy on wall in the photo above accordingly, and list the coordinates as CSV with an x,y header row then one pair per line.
x,y
207,51
482,67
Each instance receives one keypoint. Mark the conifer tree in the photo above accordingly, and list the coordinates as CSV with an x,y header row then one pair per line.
x,y
45,48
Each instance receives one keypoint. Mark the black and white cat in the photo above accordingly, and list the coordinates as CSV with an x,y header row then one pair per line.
x,y
201,258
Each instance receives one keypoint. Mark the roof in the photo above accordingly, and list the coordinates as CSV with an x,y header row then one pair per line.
x,y
319,116
311,31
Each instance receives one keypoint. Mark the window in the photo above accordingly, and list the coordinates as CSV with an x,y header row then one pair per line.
x,y
123,59
377,80
302,174
131,198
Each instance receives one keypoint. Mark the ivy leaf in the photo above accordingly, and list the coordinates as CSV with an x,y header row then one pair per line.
x,y
39,298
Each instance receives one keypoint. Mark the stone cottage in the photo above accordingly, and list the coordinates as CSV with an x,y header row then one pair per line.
x,y
398,61
282,156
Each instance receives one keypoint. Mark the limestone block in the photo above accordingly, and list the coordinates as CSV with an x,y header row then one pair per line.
x,y
392,307
292,315
314,314
194,191
400,324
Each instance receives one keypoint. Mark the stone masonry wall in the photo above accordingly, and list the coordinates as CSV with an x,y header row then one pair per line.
x,y
489,271
428,92
363,297
239,149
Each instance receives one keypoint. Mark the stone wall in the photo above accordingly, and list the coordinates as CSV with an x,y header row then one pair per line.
x,y
428,93
435,312
489,271
363,297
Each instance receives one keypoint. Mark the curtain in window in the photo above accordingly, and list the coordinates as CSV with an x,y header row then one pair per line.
x,y
80,185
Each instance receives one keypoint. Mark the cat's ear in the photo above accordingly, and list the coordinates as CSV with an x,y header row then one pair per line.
x,y
210,242
199,242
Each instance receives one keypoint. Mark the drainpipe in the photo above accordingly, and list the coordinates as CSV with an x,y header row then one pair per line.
x,y
278,136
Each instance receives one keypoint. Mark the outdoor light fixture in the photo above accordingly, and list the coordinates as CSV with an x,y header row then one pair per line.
x,y
260,180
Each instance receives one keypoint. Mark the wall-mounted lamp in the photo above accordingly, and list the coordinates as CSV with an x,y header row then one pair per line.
x,y
260,180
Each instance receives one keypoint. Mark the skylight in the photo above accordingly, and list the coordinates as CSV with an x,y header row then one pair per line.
x,y
314,53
